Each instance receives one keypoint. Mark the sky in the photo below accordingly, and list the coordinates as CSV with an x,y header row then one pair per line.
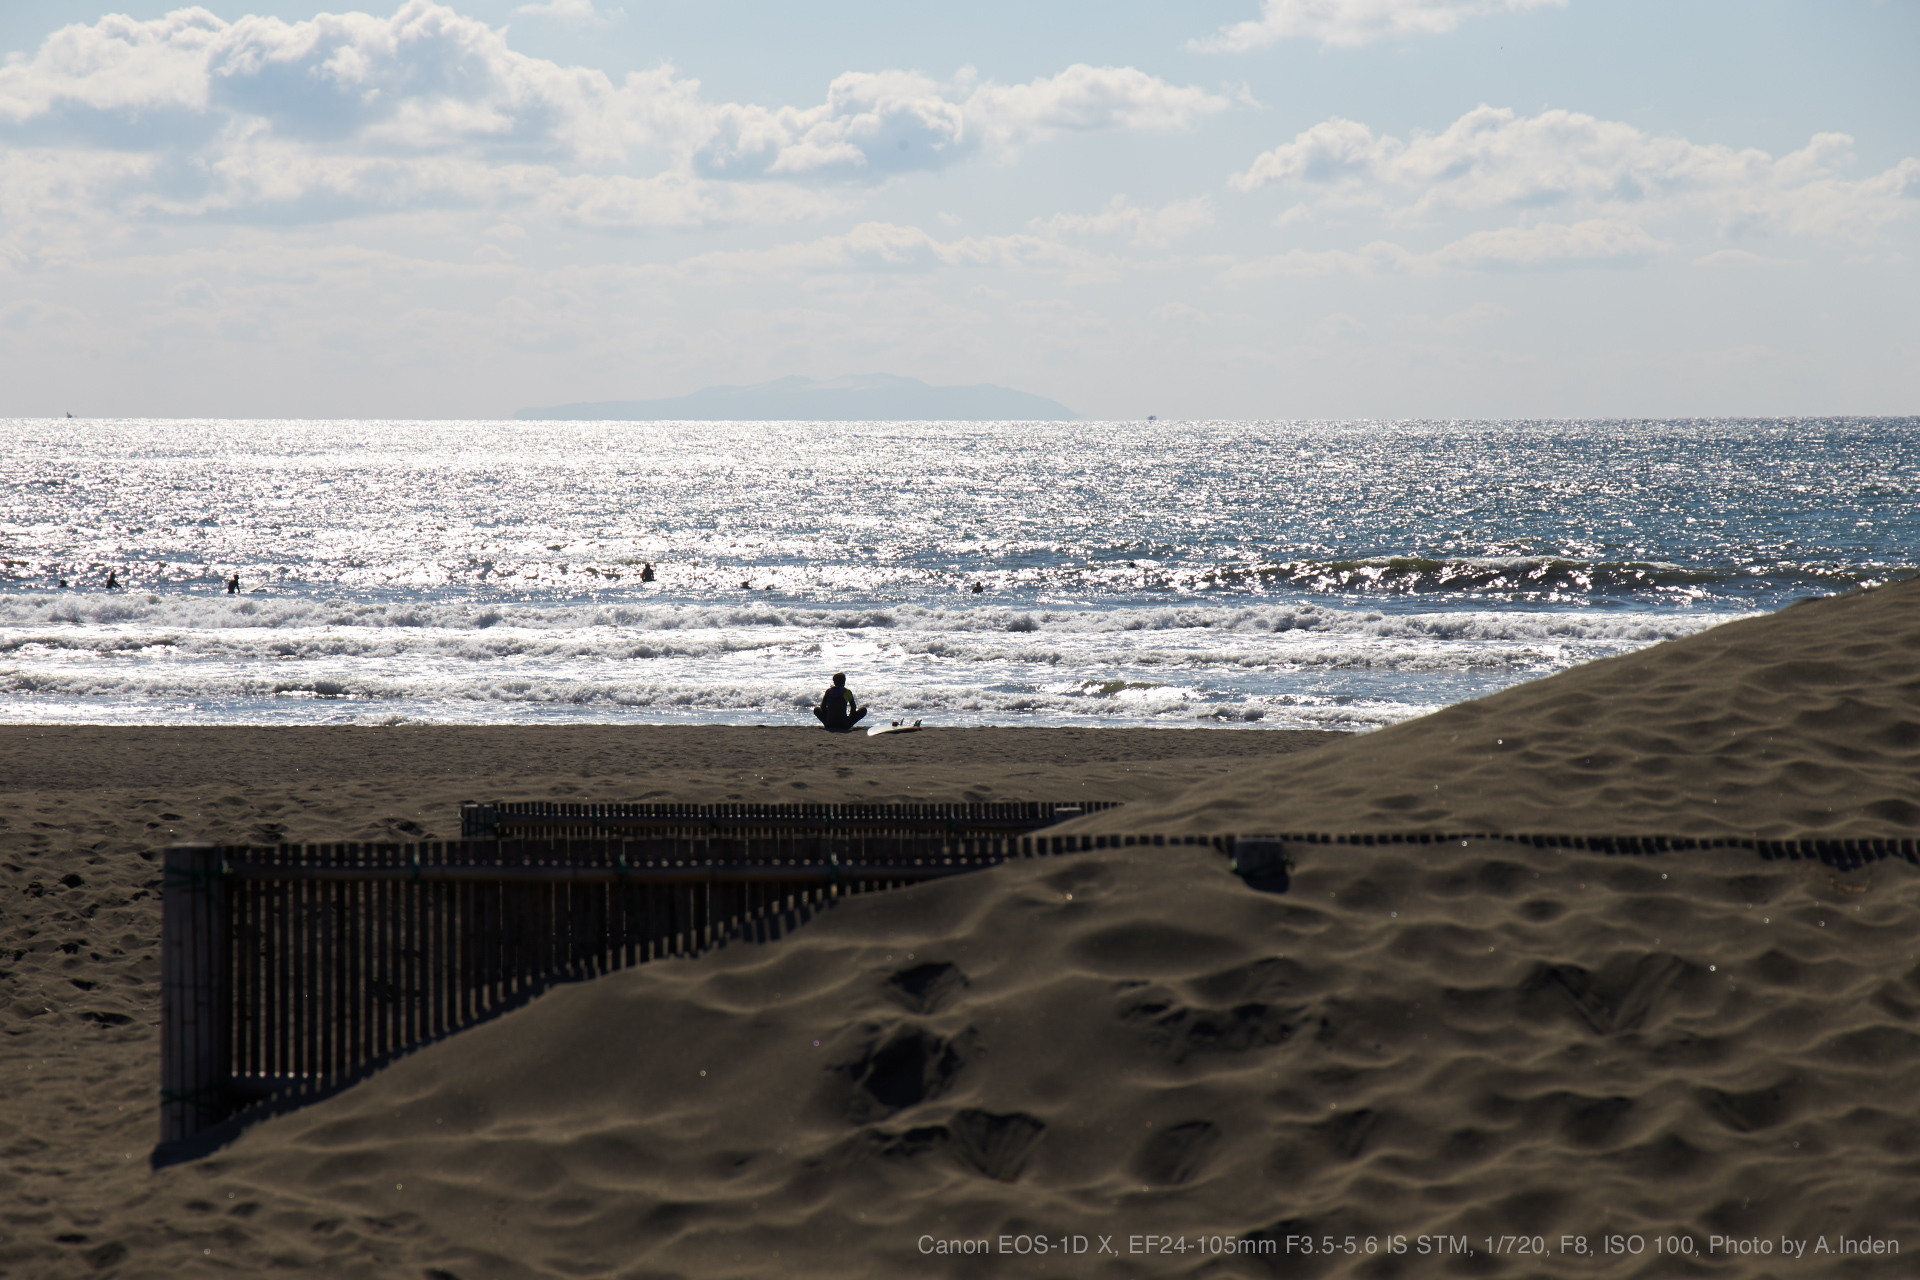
x,y
1245,209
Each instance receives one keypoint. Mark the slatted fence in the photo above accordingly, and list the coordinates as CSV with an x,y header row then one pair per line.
x,y
288,971
542,819
1840,853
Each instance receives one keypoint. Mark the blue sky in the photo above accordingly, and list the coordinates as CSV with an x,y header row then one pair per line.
x,y
1219,208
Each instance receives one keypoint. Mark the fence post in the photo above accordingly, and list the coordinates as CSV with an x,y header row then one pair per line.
x,y
195,991
479,821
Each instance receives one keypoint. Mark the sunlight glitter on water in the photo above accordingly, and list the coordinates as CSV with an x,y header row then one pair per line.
x,y
1337,574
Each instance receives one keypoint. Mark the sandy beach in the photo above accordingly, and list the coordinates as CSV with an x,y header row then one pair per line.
x,y
1425,1050
84,810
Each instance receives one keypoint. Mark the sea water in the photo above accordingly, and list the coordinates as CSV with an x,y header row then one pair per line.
x,y
1340,575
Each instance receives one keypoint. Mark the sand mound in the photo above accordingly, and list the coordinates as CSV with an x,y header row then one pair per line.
x,y
1444,1042
1802,723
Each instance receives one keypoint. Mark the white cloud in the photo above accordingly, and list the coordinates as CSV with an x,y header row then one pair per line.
x,y
1738,258
1351,23
1083,98
882,247
424,83
1494,159
873,124
1595,241
1530,246
117,65
1331,151
570,11
1150,228
870,124
1380,258
1298,213
188,116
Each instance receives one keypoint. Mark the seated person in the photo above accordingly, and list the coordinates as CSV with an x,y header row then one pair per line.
x,y
836,710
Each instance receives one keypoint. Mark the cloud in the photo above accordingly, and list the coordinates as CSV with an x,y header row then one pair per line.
x,y
873,124
1331,151
425,82
1594,242
1534,246
1148,228
883,247
1381,258
1084,98
37,315
1349,24
1493,159
570,11
1739,258
342,115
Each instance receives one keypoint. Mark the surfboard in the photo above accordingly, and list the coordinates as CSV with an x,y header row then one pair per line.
x,y
898,726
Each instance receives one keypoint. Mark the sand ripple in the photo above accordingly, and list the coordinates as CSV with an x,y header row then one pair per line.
x,y
1458,1040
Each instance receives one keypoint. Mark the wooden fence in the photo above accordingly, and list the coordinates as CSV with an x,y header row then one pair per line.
x,y
540,819
1841,854
290,971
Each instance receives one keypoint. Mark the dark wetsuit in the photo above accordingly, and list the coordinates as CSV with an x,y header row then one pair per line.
x,y
834,707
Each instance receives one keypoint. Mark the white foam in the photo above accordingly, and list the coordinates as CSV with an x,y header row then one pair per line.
x,y
40,610
1275,665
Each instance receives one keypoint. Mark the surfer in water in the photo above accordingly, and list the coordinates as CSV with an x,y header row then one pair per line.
x,y
836,710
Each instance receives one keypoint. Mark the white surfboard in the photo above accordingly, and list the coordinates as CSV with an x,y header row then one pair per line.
x,y
898,726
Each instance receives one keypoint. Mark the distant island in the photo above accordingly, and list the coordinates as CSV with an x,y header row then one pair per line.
x,y
872,397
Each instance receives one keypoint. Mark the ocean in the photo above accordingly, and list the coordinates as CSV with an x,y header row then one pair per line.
x,y
1330,575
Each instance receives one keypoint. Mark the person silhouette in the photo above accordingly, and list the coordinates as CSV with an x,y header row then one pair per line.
x,y
836,710
113,579
646,573
233,585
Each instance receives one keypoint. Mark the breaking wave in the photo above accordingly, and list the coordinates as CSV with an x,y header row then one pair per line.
x,y
29,611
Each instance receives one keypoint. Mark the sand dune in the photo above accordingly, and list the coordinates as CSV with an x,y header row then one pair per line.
x,y
1801,723
1455,1041
1441,1041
